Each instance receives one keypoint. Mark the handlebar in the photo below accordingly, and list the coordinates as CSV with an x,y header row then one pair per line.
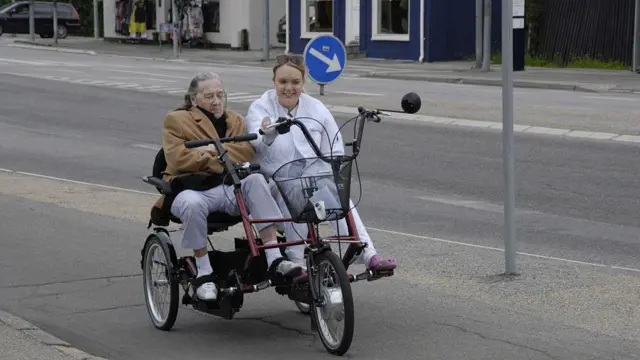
x,y
282,126
240,138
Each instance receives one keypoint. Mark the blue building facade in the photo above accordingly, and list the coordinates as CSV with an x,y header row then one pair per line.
x,y
420,30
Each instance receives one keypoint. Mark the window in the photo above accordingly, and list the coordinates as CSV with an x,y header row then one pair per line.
x,y
211,16
317,16
390,19
43,9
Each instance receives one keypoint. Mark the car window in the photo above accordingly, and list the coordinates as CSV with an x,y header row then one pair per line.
x,y
3,8
22,9
43,9
65,9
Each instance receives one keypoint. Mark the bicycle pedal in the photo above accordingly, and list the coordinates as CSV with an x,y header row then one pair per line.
x,y
379,274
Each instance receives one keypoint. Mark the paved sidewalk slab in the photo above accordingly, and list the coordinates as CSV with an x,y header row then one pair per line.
x,y
21,340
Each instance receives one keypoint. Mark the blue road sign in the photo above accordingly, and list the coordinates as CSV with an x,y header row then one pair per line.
x,y
325,57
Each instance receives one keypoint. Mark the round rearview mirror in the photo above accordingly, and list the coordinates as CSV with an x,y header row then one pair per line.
x,y
411,103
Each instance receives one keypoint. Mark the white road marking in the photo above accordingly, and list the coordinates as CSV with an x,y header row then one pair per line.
x,y
357,93
423,237
610,98
146,73
148,146
472,204
232,97
141,78
426,119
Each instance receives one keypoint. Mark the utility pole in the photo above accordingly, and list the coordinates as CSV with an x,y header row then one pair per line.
x,y
266,40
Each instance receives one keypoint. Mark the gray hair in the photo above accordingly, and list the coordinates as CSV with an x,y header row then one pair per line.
x,y
194,85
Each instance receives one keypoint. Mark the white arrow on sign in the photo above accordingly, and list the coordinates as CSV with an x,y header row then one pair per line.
x,y
334,64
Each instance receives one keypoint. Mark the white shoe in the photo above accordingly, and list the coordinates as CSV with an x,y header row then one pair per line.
x,y
207,292
289,268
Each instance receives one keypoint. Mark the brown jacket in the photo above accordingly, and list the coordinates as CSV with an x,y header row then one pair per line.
x,y
193,124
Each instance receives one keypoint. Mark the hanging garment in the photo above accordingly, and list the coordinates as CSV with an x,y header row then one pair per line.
x,y
138,24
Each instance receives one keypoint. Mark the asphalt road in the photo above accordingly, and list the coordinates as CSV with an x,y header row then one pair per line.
x,y
577,200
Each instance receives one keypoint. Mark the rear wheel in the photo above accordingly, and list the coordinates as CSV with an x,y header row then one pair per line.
x,y
160,286
62,32
334,316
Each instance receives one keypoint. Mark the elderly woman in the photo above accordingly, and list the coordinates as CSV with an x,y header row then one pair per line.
x,y
203,116
274,150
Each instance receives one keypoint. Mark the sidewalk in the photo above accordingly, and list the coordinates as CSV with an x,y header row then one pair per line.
x,y
461,72
21,340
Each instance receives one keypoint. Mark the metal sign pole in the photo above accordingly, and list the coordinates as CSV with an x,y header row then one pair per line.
x,y
32,24
636,40
176,29
55,22
479,33
486,36
266,44
507,136
96,20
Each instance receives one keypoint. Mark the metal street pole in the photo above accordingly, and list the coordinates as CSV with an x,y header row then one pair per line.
x,y
176,29
55,22
636,40
96,20
507,136
479,35
32,24
266,43
486,52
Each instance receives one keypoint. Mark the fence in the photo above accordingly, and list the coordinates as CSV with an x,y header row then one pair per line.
x,y
598,29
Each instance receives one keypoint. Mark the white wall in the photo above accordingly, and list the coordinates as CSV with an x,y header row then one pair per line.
x,y
247,14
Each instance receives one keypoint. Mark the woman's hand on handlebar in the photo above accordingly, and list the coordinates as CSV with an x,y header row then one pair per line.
x,y
269,133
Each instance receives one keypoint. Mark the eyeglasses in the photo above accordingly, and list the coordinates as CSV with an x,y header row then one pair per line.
x,y
295,59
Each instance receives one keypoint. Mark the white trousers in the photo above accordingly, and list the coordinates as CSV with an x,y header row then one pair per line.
x,y
193,207
296,231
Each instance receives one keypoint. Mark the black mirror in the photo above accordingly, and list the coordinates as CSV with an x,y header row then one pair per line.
x,y
411,103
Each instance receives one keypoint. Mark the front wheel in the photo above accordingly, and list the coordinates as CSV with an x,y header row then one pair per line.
x,y
160,286
334,314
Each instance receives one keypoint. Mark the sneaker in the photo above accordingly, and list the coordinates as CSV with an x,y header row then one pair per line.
x,y
377,263
207,292
289,269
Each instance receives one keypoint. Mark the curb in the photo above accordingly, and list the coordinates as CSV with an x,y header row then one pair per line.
x,y
29,45
497,126
493,82
43,337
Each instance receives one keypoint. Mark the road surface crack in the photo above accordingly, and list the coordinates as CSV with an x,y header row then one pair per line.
x,y
277,324
482,336
108,278
88,311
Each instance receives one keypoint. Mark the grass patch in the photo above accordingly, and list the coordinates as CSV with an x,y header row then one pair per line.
x,y
586,62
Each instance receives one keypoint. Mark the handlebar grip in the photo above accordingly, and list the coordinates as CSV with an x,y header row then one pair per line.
x,y
240,138
254,167
197,143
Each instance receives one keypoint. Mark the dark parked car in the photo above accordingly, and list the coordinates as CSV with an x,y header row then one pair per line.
x,y
14,19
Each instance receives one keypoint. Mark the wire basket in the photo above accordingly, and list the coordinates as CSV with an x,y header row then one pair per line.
x,y
314,190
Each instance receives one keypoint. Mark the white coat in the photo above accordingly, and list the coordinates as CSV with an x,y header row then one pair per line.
x,y
292,145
